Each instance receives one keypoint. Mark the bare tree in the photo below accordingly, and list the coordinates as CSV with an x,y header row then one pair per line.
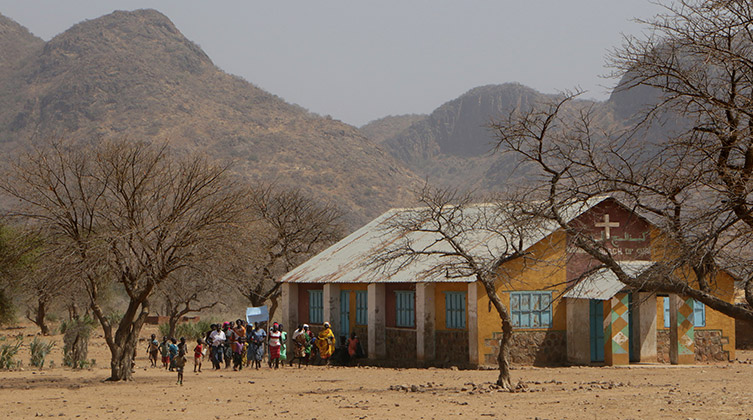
x,y
125,212
671,183
464,240
44,283
17,255
283,228
187,291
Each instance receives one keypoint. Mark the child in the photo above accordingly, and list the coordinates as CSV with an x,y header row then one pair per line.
x,y
164,352
198,354
180,363
238,353
183,346
172,348
152,350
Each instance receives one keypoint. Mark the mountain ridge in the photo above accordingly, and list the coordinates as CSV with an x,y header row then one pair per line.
x,y
133,74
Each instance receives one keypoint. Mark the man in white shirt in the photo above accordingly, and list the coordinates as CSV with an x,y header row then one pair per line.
x,y
218,339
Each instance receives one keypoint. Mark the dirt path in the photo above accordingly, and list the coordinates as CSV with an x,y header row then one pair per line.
x,y
703,392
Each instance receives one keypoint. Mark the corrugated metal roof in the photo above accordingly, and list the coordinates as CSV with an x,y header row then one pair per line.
x,y
603,284
350,260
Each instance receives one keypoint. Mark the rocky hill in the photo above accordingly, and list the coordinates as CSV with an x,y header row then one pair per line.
x,y
388,127
134,75
453,146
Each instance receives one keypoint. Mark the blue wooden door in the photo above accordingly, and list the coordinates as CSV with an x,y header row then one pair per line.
x,y
631,344
344,313
596,319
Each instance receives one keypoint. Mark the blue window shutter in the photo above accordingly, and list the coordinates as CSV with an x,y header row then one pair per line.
x,y
699,314
666,312
515,309
546,310
455,310
362,311
531,309
405,308
316,306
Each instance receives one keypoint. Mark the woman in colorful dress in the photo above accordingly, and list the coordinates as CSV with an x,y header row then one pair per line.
x,y
283,345
275,345
326,343
256,340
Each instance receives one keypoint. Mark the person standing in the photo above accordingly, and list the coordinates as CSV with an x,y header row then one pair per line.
x,y
283,345
256,340
198,355
165,353
152,350
326,343
172,348
218,339
274,346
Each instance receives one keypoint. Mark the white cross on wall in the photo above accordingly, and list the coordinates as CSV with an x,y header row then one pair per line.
x,y
607,226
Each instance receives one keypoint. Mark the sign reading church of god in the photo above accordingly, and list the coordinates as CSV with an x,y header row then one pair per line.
x,y
622,232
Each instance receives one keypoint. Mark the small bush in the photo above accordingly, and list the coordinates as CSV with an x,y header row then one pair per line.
x,y
189,330
39,351
8,352
86,319
7,309
76,341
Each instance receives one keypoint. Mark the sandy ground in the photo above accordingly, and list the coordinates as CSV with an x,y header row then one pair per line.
x,y
718,391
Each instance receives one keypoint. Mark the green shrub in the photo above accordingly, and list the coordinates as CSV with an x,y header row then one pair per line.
x,y
39,350
86,319
189,330
8,352
7,308
76,341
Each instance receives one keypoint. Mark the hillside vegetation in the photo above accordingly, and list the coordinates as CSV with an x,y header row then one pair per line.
x,y
134,75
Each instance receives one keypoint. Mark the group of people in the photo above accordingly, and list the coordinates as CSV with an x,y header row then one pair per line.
x,y
245,345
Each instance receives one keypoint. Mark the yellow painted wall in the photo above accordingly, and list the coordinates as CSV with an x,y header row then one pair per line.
x,y
543,268
546,267
724,288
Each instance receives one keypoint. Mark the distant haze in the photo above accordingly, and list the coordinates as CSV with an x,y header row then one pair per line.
x,y
359,61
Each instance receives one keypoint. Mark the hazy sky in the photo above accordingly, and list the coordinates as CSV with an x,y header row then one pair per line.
x,y
362,60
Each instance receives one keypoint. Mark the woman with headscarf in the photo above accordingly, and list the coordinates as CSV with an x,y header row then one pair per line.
x,y
256,339
325,342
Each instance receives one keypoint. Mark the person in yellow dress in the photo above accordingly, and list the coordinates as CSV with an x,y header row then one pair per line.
x,y
325,342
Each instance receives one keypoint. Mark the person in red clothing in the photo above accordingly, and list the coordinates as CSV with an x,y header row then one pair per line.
x,y
353,346
198,355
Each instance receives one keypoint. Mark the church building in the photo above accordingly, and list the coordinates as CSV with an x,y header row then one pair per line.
x,y
563,311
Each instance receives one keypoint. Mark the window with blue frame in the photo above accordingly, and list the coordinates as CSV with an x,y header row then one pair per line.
x,y
531,309
362,307
699,313
405,307
454,304
316,306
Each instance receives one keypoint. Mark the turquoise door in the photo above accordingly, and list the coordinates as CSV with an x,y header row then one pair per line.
x,y
631,344
344,314
596,319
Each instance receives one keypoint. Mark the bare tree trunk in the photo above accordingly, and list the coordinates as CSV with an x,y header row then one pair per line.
x,y
503,380
273,307
503,357
123,344
172,323
41,315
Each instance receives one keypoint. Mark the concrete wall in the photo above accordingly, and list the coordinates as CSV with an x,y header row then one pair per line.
x,y
578,332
